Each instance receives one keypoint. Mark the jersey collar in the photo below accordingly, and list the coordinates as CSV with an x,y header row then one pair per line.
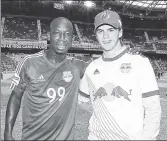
x,y
55,66
116,57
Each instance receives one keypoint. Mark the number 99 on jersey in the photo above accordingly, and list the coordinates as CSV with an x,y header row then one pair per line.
x,y
52,94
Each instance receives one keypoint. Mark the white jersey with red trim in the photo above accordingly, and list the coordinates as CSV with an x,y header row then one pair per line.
x,y
117,88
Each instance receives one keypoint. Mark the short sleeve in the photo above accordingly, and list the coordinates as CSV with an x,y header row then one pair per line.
x,y
19,80
80,64
147,79
83,87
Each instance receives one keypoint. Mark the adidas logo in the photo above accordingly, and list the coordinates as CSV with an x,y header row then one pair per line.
x,y
96,71
41,78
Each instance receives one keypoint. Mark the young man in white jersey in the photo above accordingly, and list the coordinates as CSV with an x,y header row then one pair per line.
x,y
49,81
122,88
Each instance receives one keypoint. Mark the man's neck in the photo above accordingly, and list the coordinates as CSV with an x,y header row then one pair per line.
x,y
115,52
55,57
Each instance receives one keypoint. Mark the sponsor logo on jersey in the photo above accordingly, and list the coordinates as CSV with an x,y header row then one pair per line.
x,y
41,78
67,76
117,92
96,72
125,67
100,93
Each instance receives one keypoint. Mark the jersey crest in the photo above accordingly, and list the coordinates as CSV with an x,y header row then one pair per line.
x,y
125,67
117,92
67,76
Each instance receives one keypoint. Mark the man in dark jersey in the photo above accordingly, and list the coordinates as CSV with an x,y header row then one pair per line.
x,y
49,81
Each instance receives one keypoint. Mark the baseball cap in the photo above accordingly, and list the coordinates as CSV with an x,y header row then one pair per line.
x,y
107,17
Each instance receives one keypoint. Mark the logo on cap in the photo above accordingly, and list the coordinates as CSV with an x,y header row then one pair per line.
x,y
105,15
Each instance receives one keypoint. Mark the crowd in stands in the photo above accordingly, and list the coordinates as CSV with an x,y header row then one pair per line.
x,y
136,36
20,28
155,67
147,46
163,64
87,35
26,28
7,63
161,46
87,32
159,65
75,37
160,35
44,29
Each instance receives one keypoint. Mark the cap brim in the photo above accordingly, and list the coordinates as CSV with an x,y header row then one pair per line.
x,y
104,24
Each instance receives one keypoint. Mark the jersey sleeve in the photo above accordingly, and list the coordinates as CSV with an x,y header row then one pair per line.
x,y
81,65
147,79
83,90
19,80
151,101
83,87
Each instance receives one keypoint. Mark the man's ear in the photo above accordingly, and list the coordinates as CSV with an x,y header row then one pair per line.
x,y
120,33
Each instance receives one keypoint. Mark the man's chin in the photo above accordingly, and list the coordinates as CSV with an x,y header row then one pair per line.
x,y
107,49
61,52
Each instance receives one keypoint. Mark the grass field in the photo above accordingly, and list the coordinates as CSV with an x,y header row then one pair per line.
x,y
82,116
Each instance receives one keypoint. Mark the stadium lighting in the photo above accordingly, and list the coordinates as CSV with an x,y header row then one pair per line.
x,y
89,4
69,2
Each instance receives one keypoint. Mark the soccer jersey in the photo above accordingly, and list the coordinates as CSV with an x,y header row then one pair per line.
x,y
117,87
50,97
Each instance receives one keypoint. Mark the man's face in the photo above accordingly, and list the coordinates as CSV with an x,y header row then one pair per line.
x,y
108,36
61,37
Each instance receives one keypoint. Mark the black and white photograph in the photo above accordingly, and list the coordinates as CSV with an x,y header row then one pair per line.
x,y
83,70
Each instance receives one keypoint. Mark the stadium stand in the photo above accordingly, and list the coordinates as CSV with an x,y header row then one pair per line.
x,y
161,46
163,64
75,37
27,29
136,36
87,32
20,28
7,63
44,28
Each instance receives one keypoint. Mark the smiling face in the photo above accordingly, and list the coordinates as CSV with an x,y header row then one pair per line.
x,y
108,37
61,33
